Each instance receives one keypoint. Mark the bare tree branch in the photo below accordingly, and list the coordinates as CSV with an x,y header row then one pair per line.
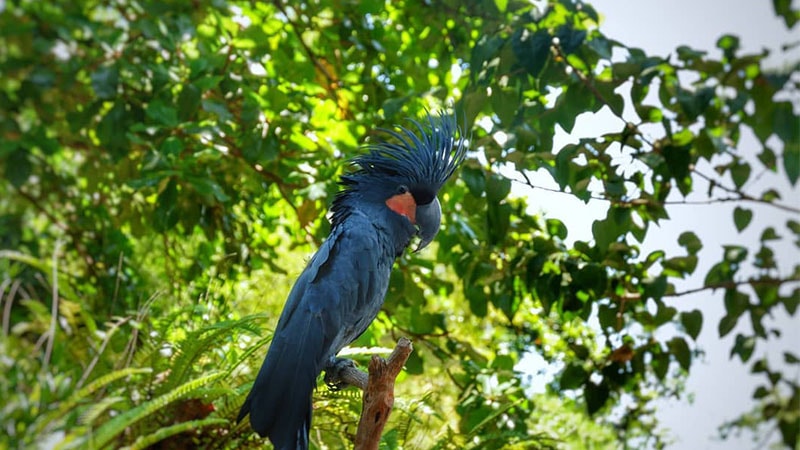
x,y
379,395
378,390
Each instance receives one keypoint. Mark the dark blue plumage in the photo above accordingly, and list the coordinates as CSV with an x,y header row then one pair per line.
x,y
385,202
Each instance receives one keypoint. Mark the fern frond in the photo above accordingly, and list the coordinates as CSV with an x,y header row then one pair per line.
x,y
163,433
198,342
476,430
111,429
83,394
249,352
90,415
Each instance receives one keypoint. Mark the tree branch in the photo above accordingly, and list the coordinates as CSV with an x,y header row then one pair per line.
x,y
379,395
378,390
633,129
333,81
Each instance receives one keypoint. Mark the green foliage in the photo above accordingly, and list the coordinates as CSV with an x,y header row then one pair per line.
x,y
167,168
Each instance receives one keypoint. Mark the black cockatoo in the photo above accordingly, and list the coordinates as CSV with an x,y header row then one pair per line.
x,y
389,199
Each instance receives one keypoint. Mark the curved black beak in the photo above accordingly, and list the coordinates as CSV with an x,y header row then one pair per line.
x,y
428,218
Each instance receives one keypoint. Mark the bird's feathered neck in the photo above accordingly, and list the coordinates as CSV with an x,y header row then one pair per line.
x,y
423,160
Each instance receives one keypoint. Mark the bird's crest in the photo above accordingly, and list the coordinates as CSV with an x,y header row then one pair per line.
x,y
428,157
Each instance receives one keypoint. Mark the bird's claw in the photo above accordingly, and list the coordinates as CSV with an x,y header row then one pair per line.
x,y
333,371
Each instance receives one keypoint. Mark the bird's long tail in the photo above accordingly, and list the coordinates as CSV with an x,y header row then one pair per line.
x,y
280,400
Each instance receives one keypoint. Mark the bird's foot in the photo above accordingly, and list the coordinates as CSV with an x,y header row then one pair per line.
x,y
335,373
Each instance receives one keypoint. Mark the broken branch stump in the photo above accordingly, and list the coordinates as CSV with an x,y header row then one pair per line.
x,y
378,393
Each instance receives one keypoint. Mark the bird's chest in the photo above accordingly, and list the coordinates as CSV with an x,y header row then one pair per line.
x,y
366,292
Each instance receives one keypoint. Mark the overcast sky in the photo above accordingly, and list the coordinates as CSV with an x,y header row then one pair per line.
x,y
721,387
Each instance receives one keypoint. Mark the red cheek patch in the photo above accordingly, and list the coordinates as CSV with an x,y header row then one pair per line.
x,y
404,205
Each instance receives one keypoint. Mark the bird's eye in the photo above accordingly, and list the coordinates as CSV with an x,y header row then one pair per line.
x,y
402,189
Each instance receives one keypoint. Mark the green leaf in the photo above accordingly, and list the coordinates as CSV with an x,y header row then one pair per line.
x,y
148,440
508,302
111,429
760,392
617,223
680,266
767,157
478,303
474,179
790,358
783,8
686,53
112,130
166,214
188,102
678,160
208,188
792,302
740,174
743,347
217,108
564,165
736,302
690,242
596,396
498,218
680,350
742,218
728,44
790,429
650,113
735,253
607,316
692,322
655,288
726,324
719,273
786,123
415,365
556,228
769,234
791,161
504,103
162,113
497,188
794,226
105,81
573,377
570,38
664,314
532,50
661,364
18,167
770,195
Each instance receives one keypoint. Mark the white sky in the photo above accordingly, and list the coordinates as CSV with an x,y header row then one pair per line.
x,y
721,387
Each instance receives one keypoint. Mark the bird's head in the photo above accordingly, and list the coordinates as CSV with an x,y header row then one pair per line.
x,y
405,170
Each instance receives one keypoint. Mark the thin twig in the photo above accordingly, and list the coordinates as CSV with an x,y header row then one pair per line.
x,y
743,196
7,307
734,284
644,201
633,129
109,335
332,80
588,82
116,284
53,309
